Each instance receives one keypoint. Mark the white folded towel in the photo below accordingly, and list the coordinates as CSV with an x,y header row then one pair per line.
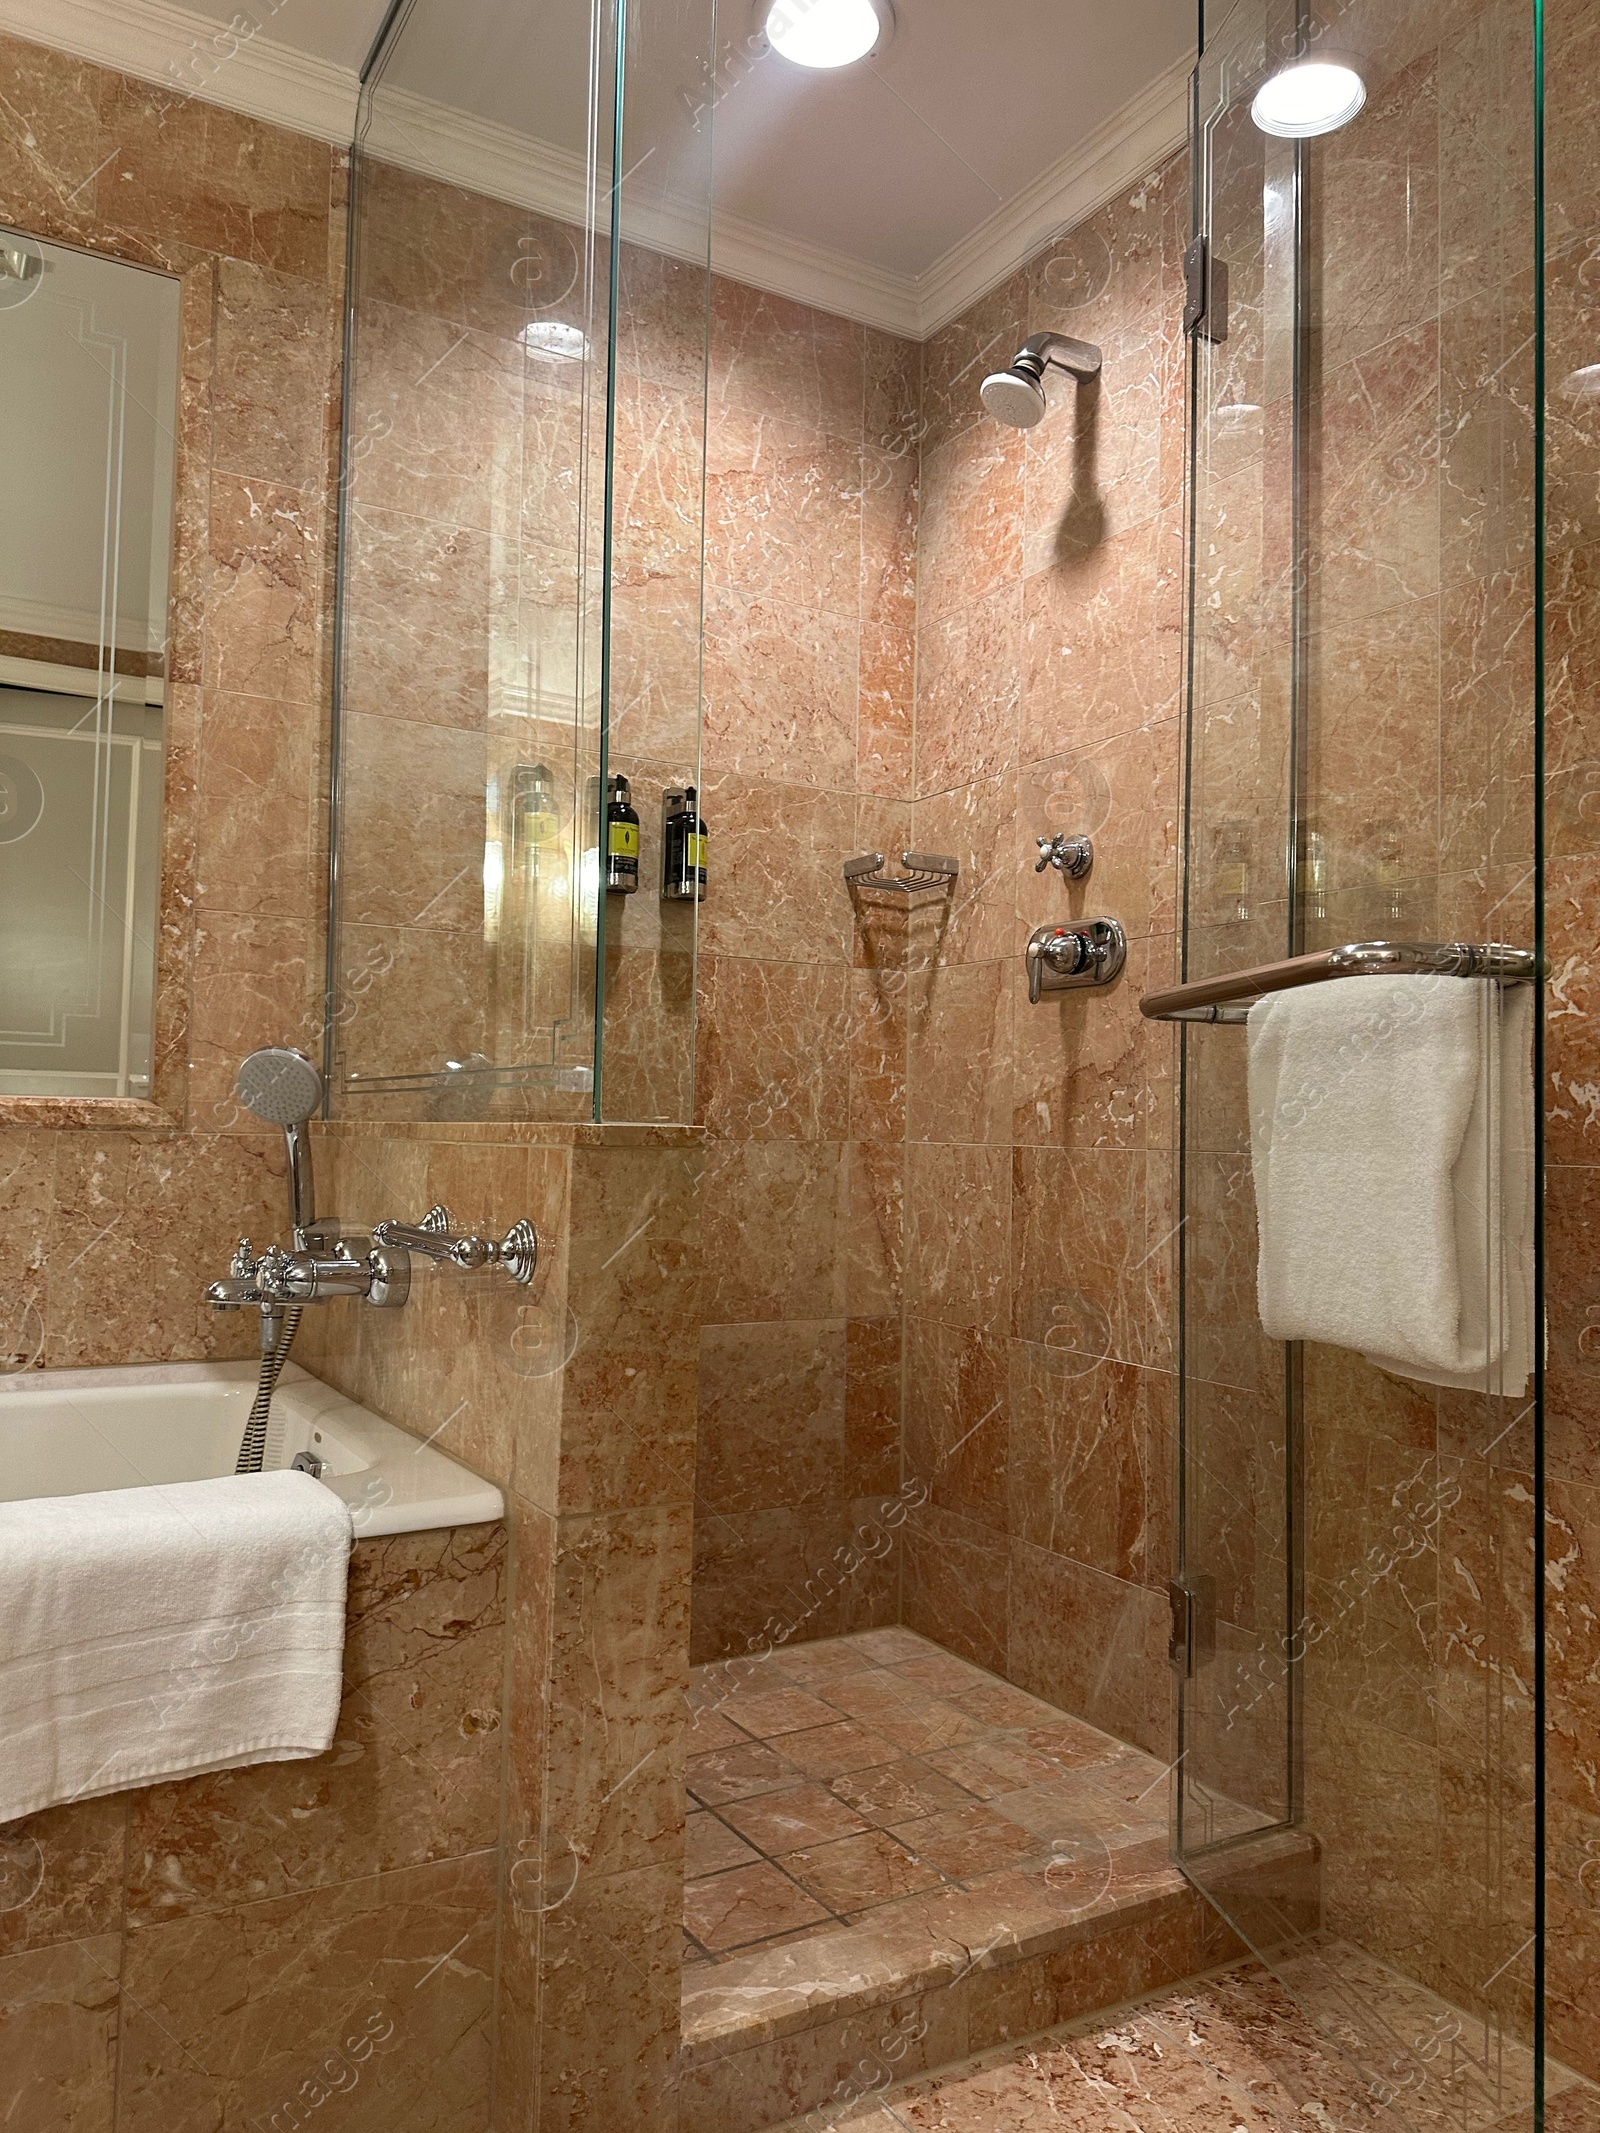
x,y
1391,1125
159,1632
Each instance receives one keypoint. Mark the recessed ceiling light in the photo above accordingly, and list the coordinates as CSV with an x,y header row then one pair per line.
x,y
1310,96
827,33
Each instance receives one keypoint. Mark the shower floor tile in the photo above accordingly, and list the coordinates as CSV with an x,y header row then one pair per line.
x,y
874,1772
1231,2053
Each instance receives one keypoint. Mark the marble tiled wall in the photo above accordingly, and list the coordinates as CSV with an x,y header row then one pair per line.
x,y
812,467
1572,1122
578,1398
1040,1192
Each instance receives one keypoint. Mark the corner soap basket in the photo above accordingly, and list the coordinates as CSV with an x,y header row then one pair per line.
x,y
923,870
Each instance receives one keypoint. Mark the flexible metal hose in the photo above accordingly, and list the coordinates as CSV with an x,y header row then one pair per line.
x,y
253,1445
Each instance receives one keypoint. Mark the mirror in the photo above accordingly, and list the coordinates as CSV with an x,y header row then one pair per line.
x,y
89,382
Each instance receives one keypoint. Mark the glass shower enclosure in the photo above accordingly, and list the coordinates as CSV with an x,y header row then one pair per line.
x,y
1356,1619
520,555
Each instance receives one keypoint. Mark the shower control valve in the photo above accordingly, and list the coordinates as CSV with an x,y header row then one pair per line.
x,y
1063,958
1072,856
280,1279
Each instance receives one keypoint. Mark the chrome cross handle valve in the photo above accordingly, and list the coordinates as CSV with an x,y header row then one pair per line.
x,y
278,1279
1072,856
436,1237
1062,958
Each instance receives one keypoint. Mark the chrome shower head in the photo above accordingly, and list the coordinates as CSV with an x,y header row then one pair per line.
x,y
283,1088
1016,396
280,1086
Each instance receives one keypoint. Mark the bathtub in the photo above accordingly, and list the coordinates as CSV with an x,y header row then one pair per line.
x,y
72,1432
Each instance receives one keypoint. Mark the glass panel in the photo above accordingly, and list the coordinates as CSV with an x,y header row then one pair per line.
x,y
522,538
89,381
1358,1723
663,308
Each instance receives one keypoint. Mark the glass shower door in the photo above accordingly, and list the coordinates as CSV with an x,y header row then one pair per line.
x,y
1355,1624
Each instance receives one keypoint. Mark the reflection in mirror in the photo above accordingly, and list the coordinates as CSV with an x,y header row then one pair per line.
x,y
88,379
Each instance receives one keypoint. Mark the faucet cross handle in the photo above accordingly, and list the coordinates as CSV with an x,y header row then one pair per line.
x,y
1072,856
436,1237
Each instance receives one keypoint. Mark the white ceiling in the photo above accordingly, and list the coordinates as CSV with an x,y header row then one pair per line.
x,y
891,163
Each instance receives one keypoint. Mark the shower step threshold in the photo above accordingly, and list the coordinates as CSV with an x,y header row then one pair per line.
x,y
1036,1847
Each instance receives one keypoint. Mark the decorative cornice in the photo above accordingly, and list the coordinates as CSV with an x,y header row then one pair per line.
x,y
1130,144
193,55
166,44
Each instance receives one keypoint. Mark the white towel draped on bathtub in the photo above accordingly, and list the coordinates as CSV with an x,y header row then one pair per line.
x,y
1391,1129
160,1632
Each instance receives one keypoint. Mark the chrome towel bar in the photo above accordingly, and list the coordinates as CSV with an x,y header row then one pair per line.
x,y
1229,998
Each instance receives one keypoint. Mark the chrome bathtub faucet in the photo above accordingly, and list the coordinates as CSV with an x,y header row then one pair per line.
x,y
277,1280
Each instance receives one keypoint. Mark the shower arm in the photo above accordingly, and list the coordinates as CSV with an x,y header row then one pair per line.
x,y
1059,351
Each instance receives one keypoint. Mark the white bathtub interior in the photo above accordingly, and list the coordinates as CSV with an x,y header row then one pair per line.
x,y
74,1432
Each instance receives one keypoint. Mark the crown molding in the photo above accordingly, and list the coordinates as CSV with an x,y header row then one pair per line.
x,y
1127,147
485,157
192,55
186,52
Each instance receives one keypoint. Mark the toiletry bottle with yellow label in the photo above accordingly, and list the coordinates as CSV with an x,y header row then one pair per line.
x,y
683,869
622,840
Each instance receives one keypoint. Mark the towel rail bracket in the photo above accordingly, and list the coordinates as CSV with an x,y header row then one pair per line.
x,y
1229,997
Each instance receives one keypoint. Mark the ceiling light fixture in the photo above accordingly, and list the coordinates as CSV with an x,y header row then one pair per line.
x,y
1308,97
828,33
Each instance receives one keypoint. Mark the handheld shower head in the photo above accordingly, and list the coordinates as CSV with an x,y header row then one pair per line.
x,y
283,1088
280,1086
1016,396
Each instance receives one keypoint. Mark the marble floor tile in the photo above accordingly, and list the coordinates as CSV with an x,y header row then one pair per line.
x,y
749,1904
777,1711
711,1847
910,1774
833,1751
792,1818
900,1791
967,1842
1232,2054
735,1773
855,1873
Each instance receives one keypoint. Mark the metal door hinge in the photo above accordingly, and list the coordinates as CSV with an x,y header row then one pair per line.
x,y
1205,282
1193,1639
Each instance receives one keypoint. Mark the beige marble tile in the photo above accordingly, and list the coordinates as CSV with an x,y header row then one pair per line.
x,y
59,2015
414,1771
61,1874
610,1994
773,1049
969,689
263,623
769,353
274,365
239,2013
969,541
781,689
